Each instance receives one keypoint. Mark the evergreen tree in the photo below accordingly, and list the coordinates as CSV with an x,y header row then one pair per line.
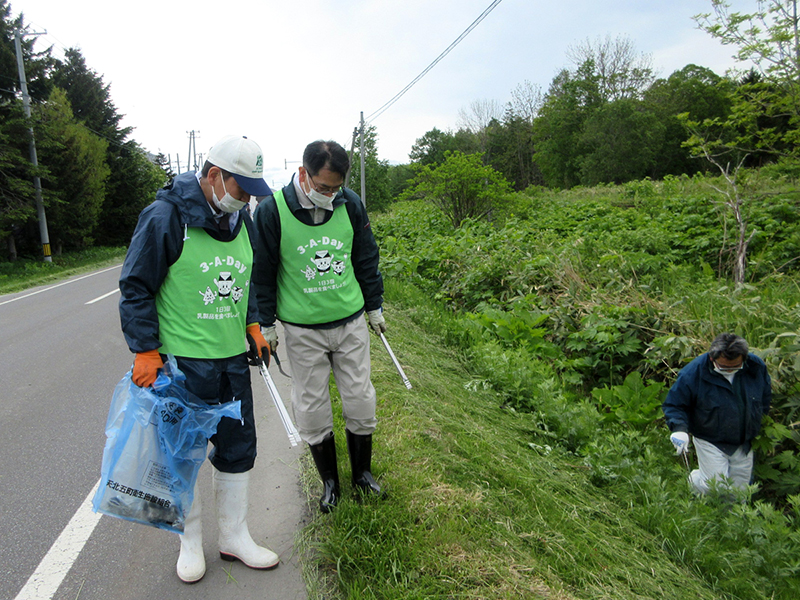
x,y
133,178
377,193
89,97
17,198
163,162
131,186
17,205
510,149
77,174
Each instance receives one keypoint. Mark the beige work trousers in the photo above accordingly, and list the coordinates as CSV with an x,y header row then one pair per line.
x,y
313,353
715,464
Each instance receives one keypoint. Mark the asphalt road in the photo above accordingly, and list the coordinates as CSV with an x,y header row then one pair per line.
x,y
61,355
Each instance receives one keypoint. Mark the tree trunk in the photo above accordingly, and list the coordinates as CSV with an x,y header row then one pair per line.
x,y
12,247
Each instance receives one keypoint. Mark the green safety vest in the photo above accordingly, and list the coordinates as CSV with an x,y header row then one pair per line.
x,y
316,282
202,304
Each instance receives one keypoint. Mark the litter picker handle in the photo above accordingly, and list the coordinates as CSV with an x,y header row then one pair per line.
x,y
291,430
396,363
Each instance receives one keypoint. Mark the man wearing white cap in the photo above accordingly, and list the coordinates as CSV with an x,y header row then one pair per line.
x,y
185,290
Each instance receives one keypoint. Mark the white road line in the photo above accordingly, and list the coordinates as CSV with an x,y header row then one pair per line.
x,y
52,287
55,565
103,296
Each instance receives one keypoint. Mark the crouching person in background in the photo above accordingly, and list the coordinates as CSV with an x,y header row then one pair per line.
x,y
719,399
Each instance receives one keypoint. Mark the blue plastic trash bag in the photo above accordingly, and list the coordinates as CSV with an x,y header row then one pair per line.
x,y
156,442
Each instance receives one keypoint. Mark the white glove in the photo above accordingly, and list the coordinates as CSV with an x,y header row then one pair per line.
x,y
271,335
376,321
679,439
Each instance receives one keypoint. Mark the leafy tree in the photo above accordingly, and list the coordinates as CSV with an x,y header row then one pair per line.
x,y
133,178
431,147
620,72
376,184
765,114
572,97
697,92
769,39
462,186
77,169
400,177
623,142
477,118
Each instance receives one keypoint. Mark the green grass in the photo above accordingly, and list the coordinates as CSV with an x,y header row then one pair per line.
x,y
482,503
24,273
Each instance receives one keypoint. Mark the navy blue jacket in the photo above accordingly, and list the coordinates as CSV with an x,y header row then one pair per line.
x,y
703,402
365,255
156,244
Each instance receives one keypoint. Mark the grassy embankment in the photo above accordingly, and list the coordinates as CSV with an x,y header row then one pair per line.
x,y
482,503
577,309
24,273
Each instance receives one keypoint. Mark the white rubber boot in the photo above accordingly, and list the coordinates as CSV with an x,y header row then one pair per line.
x,y
191,562
235,542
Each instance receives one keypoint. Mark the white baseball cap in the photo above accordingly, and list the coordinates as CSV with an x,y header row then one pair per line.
x,y
241,158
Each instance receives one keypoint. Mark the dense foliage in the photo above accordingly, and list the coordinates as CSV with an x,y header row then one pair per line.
x,y
94,180
580,307
611,281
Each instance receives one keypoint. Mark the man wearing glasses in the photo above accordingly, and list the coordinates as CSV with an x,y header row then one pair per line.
x,y
719,398
316,270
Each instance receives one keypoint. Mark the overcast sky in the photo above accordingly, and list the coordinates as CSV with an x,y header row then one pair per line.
x,y
287,72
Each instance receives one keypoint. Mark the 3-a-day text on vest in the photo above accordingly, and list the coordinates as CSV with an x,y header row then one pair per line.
x,y
202,304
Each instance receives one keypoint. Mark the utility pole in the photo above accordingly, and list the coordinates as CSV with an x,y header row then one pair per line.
x,y
37,184
363,174
352,147
192,160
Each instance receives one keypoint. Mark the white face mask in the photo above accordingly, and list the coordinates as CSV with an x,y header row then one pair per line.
x,y
228,204
317,198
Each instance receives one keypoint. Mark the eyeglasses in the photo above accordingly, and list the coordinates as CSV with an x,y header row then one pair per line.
x,y
323,189
728,369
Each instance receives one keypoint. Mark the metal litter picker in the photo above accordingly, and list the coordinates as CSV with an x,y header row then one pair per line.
x,y
396,363
291,430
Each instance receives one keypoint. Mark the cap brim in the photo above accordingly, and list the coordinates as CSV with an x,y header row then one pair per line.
x,y
255,186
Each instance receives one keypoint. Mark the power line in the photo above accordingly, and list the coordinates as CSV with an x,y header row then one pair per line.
x,y
474,24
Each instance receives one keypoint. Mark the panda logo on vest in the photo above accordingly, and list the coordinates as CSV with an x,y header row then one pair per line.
x,y
323,260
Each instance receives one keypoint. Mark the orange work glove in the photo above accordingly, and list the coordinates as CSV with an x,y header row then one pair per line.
x,y
259,348
145,367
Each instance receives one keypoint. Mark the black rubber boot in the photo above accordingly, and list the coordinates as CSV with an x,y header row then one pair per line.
x,y
324,455
360,449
